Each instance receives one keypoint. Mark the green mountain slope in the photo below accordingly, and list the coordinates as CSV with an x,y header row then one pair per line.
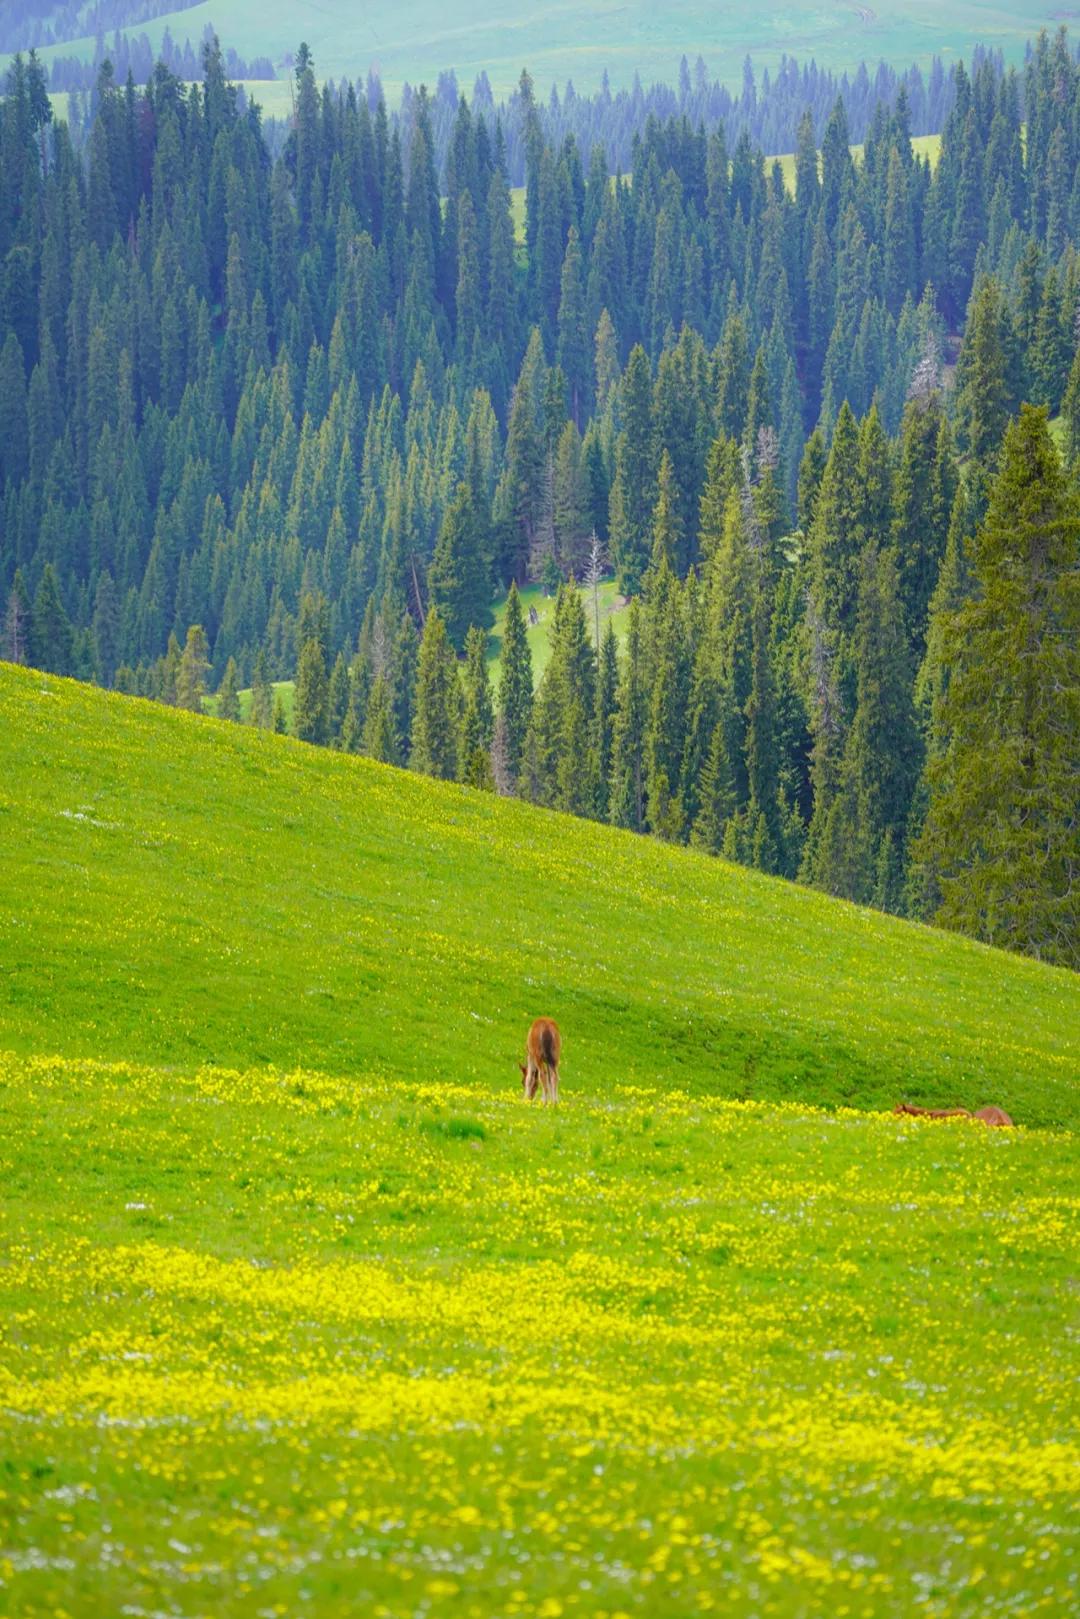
x,y
177,890
362,1333
416,39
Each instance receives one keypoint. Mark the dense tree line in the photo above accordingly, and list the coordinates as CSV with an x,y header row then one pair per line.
x,y
768,109
49,22
304,416
136,55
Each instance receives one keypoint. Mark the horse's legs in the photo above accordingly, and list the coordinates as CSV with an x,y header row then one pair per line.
x,y
554,1084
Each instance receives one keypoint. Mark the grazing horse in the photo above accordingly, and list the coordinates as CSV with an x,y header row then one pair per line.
x,y
996,1117
541,1065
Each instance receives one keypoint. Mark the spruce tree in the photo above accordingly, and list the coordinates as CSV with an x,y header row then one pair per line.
x,y
627,796
982,391
262,695
193,670
924,490
515,683
51,641
572,352
716,796
458,580
437,717
228,698
380,739
859,858
1002,833
337,700
666,522
607,683
520,485
105,627
633,487
478,716
669,680
564,707
811,472
723,475
311,710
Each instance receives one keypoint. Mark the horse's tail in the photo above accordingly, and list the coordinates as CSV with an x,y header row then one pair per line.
x,y
548,1052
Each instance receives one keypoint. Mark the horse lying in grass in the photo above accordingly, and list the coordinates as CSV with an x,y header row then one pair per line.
x,y
996,1117
541,1066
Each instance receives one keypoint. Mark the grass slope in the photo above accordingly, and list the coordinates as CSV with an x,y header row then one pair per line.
x,y
177,890
347,1328
612,606
416,39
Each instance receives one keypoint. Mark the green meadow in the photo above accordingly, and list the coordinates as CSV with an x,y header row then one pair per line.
x,y
303,1309
609,606
239,898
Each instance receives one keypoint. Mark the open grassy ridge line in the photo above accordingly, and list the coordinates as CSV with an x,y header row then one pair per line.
x,y
415,40
176,890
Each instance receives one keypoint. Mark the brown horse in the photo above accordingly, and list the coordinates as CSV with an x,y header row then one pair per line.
x,y
994,1116
541,1065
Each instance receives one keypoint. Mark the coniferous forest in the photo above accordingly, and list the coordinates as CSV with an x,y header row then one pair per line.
x,y
308,415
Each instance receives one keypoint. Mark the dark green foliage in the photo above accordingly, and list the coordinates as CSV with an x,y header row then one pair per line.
x,y
627,800
478,716
437,718
857,856
562,720
633,489
459,582
982,382
515,685
380,737
311,710
1002,838
310,396
51,641
337,699
228,700
923,493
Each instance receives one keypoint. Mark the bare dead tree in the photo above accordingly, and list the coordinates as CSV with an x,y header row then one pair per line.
x,y
380,648
500,758
926,378
768,450
593,573
755,534
16,629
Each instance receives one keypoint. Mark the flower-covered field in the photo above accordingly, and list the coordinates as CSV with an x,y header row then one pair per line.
x,y
303,1310
283,1343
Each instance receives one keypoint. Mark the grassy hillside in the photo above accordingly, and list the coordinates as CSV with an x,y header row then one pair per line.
x,y
416,39
302,1309
613,607
178,890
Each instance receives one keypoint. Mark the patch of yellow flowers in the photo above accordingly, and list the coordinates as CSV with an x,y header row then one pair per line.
x,y
273,1344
